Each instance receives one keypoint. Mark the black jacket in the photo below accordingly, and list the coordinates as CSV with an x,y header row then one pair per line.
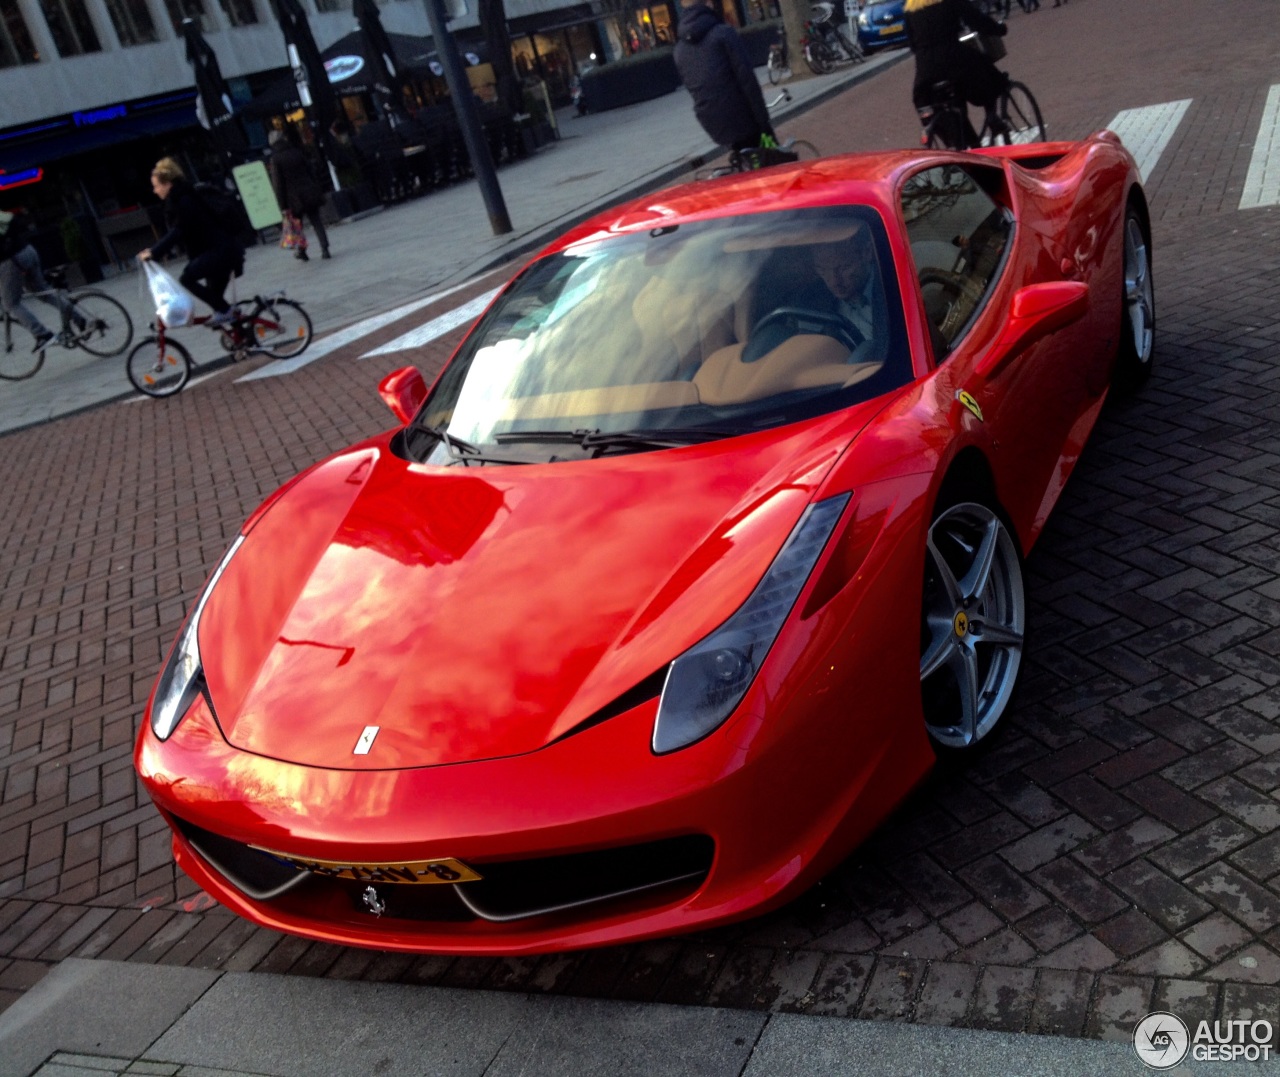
x,y
191,224
15,236
715,69
296,185
933,30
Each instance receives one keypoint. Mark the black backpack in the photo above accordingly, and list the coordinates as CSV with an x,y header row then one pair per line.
x,y
225,209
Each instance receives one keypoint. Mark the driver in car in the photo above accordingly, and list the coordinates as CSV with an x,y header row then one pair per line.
x,y
849,272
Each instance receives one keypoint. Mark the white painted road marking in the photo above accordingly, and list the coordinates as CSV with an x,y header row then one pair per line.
x,y
1262,185
437,327
1147,131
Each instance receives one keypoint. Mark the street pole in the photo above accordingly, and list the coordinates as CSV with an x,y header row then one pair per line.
x,y
464,104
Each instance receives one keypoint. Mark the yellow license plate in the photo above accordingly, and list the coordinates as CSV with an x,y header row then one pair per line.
x,y
896,28
445,870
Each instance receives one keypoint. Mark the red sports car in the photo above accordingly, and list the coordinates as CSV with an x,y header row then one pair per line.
x,y
704,545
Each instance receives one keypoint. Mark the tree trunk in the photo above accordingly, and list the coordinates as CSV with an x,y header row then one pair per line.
x,y
795,13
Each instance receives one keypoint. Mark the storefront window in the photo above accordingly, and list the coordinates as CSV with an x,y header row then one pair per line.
x,y
181,10
70,26
16,46
240,12
132,21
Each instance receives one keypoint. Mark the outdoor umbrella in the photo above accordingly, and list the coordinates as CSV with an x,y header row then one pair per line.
x,y
314,90
213,98
388,78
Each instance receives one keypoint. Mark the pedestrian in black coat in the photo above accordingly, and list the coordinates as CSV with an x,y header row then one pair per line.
x,y
297,188
714,66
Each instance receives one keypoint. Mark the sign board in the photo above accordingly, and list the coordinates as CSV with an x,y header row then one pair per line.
x,y
257,194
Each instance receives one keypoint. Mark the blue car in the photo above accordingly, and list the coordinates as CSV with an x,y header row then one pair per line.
x,y
881,25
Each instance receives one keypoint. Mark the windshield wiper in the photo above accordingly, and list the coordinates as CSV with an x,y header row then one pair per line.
x,y
600,441
463,451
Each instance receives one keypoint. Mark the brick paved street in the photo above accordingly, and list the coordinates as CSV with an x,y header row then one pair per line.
x,y
1117,851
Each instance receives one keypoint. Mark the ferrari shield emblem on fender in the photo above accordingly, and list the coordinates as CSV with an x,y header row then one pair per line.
x,y
366,740
970,403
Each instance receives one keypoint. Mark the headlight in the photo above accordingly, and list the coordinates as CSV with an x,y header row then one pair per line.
x,y
708,681
864,20
180,679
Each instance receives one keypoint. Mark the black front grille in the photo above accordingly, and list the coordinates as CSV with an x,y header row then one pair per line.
x,y
259,875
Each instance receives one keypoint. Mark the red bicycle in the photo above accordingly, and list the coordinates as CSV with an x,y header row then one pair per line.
x,y
265,325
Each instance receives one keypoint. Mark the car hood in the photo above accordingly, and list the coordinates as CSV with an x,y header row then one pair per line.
x,y
473,613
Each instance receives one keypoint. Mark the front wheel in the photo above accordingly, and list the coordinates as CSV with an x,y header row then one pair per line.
x,y
805,151
1020,117
819,58
1138,312
101,325
972,626
282,329
779,69
18,359
158,371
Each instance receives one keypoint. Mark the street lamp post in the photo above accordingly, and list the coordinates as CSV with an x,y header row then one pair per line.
x,y
464,105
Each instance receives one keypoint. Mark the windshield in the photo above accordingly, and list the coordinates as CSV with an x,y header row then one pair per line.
x,y
680,334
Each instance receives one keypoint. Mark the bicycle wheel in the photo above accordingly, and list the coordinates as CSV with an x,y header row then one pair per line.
x,y
108,328
159,372
779,69
806,151
1021,116
819,58
282,329
18,359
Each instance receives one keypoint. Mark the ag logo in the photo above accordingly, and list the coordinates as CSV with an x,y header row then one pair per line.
x,y
1161,1040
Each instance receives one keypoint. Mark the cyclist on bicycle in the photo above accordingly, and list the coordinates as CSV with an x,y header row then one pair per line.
x,y
933,30
714,66
19,266
214,254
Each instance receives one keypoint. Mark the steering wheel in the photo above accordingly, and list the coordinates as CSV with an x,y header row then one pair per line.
x,y
961,295
806,319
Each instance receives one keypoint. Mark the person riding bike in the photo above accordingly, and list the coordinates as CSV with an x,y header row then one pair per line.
x,y
715,68
933,31
214,254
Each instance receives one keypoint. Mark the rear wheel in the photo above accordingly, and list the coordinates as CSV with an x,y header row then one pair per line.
x,y
1138,314
157,371
1020,116
779,69
972,624
805,151
107,329
282,329
819,57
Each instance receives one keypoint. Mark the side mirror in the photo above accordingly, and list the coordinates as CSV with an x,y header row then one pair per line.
x,y
403,391
1036,311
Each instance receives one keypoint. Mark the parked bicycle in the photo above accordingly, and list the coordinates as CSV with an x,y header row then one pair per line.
x,y
1014,120
264,325
89,320
779,62
826,45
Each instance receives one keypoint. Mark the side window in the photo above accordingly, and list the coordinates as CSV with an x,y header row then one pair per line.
x,y
958,236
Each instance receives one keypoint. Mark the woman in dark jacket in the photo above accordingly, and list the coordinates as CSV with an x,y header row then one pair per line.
x,y
933,30
214,254
297,187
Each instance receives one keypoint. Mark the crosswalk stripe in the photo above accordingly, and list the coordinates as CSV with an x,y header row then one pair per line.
x,y
437,327
1147,131
1262,184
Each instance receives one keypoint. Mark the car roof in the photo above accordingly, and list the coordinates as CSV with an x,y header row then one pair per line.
x,y
868,179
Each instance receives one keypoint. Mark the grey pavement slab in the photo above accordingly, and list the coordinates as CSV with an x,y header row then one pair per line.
x,y
96,1008
422,246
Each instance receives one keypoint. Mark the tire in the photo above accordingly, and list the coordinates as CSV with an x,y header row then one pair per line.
x,y
806,151
158,374
779,70
282,329
973,624
18,359
109,329
1138,306
1021,116
819,58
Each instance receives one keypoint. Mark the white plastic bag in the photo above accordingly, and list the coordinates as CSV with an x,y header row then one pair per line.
x,y
175,306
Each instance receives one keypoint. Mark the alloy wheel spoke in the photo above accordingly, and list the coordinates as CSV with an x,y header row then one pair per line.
x,y
994,634
941,651
964,666
975,580
945,576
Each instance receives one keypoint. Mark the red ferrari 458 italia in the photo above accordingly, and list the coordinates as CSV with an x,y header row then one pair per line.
x,y
701,549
